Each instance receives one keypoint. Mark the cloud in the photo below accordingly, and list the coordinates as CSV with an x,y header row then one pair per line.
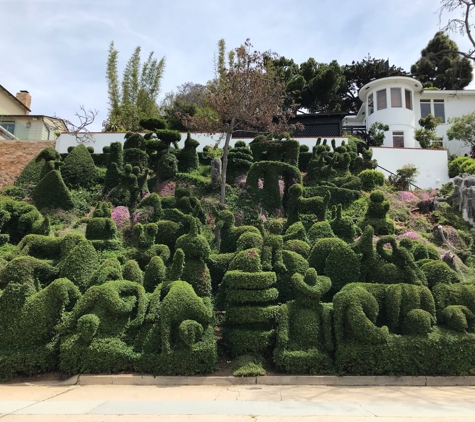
x,y
57,49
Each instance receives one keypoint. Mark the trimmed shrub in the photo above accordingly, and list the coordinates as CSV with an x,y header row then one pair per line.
x,y
51,192
78,168
132,272
248,325
80,264
304,333
371,179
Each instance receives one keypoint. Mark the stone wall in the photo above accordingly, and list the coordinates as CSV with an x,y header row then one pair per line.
x,y
15,155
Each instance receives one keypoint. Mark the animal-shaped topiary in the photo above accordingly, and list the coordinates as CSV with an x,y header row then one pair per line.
x,y
180,306
343,226
145,236
334,258
455,306
399,266
304,333
229,232
197,250
188,156
273,244
376,215
102,327
298,205
30,324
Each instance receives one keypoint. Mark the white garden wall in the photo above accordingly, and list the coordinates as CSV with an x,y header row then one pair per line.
x,y
102,139
431,163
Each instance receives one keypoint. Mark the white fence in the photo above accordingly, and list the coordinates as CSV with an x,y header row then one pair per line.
x,y
432,164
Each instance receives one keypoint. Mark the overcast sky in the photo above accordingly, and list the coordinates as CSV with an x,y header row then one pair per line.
x,y
57,49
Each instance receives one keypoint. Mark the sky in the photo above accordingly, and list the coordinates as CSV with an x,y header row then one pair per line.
x,y
57,49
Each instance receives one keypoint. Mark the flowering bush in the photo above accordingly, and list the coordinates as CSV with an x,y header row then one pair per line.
x,y
407,196
121,216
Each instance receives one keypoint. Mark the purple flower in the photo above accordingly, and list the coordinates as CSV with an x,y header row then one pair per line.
x,y
408,196
137,216
121,216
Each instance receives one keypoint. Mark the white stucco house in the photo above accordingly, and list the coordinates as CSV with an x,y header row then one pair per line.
x,y
400,102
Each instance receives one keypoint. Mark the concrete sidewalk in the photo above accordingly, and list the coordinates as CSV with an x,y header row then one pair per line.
x,y
112,403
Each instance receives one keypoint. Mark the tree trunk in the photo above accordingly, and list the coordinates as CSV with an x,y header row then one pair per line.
x,y
229,133
222,197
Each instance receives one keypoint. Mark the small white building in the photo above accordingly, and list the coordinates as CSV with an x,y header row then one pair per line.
x,y
400,102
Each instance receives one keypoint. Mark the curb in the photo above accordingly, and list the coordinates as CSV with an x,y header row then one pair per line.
x,y
316,380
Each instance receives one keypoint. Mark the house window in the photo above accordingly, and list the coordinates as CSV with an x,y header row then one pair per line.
x,y
396,98
398,139
370,105
425,108
439,109
381,100
10,126
408,96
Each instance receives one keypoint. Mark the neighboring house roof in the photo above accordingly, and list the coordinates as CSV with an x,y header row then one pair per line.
x,y
45,119
15,98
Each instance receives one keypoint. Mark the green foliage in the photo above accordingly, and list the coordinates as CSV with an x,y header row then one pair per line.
x,y
247,366
132,272
376,214
427,133
78,168
456,164
188,156
31,174
248,326
304,334
52,192
167,167
371,179
463,129
441,66
79,264
376,133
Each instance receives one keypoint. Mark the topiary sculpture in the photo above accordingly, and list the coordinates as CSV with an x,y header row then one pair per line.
x,y
304,331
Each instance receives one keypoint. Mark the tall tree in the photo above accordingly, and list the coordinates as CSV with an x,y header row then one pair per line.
x,y
188,99
357,75
320,87
311,85
134,98
441,65
243,96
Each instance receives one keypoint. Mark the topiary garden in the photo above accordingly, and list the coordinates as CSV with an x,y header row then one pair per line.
x,y
125,260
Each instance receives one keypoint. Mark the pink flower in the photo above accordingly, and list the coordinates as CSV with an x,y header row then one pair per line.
x,y
408,196
121,216
260,184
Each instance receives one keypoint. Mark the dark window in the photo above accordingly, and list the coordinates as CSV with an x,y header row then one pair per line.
x,y
408,99
381,99
396,98
439,109
370,105
398,139
425,108
10,126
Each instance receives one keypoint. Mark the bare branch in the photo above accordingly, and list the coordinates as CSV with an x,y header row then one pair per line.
x,y
86,118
